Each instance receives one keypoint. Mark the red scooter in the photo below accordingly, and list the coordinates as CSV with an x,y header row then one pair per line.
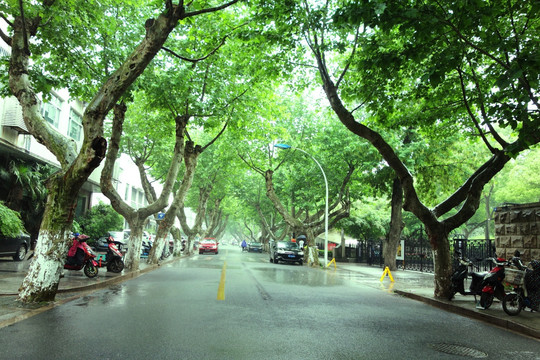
x,y
88,264
492,284
113,260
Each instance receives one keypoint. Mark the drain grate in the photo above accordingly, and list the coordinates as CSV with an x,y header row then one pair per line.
x,y
458,350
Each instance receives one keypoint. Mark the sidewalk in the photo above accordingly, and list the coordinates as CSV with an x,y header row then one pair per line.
x,y
412,284
419,286
73,283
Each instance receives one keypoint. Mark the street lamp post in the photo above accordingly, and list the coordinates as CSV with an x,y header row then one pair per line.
x,y
285,146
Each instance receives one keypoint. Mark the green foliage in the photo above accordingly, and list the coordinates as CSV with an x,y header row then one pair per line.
x,y
369,219
76,227
422,57
519,182
22,186
99,220
11,224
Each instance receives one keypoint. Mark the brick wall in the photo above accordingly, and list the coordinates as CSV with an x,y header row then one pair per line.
x,y
517,227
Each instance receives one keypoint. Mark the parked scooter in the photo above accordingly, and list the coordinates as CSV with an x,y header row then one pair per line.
x,y
145,248
81,256
493,284
485,285
461,273
114,258
526,294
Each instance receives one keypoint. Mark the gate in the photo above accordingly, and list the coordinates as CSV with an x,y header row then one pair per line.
x,y
418,253
474,250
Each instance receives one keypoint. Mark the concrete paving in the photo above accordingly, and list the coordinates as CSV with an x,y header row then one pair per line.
x,y
412,284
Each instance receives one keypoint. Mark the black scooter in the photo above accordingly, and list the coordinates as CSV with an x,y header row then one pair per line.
x,y
114,257
461,273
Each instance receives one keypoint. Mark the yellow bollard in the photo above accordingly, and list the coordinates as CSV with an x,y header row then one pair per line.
x,y
387,272
333,261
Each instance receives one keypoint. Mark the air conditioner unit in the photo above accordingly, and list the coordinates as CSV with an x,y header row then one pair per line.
x,y
13,117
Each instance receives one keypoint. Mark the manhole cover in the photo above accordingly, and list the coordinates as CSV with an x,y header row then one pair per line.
x,y
459,350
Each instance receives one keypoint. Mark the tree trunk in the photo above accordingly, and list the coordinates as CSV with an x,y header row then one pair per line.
x,y
41,281
133,255
442,262
177,236
312,256
191,233
396,226
189,244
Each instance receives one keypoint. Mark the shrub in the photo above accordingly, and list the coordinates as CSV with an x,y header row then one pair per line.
x,y
99,220
11,224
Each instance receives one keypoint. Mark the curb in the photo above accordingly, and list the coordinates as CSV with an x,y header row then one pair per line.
x,y
114,280
505,324
111,281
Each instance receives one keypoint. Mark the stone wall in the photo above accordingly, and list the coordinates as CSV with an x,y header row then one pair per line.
x,y
517,227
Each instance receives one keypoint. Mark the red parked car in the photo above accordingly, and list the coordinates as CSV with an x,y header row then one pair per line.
x,y
208,245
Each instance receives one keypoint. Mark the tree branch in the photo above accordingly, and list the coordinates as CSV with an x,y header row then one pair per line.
x,y
209,10
194,61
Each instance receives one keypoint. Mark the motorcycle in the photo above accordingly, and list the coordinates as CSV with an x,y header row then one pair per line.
x,y
526,284
493,284
114,257
89,264
461,273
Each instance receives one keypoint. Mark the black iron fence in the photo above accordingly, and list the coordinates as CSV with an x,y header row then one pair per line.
x,y
475,250
418,254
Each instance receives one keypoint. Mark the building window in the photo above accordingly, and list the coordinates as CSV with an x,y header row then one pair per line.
x,y
51,111
27,141
134,194
75,125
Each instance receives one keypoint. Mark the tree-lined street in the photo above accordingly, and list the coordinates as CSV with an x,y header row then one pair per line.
x,y
422,104
269,311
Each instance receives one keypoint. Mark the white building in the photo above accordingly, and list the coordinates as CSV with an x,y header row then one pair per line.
x,y
65,116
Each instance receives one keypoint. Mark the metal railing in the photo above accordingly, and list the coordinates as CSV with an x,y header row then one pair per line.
x,y
418,254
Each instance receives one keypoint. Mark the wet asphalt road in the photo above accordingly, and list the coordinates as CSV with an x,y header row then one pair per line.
x,y
240,306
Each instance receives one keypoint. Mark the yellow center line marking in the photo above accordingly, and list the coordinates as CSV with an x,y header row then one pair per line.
x,y
221,287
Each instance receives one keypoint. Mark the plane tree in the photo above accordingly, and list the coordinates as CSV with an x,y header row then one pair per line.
x,y
451,66
136,217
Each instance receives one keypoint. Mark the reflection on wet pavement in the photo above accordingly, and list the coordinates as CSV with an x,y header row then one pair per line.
x,y
301,276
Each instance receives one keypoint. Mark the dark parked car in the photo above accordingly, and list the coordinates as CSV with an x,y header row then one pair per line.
x,y
254,247
285,251
15,246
